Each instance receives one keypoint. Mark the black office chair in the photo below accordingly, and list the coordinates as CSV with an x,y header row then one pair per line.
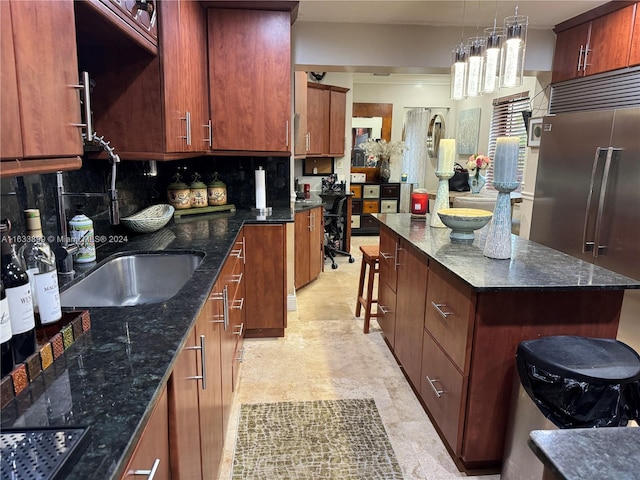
x,y
334,231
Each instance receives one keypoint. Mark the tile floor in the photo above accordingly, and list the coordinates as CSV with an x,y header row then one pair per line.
x,y
324,355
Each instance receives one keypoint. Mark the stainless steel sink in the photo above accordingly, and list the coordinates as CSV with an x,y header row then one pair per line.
x,y
134,279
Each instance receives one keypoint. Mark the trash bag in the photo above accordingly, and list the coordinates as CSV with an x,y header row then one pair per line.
x,y
581,382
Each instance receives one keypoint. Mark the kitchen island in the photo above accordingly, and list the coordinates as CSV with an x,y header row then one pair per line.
x,y
111,378
453,318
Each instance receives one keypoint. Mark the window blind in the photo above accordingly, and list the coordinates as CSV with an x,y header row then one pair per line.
x,y
507,121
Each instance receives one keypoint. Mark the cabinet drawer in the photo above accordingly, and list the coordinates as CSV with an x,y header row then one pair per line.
x,y
367,221
387,312
390,191
389,206
371,191
355,221
370,206
442,390
388,254
356,191
356,206
449,315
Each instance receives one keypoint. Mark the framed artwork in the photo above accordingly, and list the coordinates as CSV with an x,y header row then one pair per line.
x,y
535,132
467,131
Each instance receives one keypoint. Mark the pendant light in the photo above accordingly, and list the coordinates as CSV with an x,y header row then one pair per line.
x,y
492,56
475,47
515,29
459,66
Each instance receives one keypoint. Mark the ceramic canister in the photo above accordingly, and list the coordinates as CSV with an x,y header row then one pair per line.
x,y
179,194
217,191
198,192
81,232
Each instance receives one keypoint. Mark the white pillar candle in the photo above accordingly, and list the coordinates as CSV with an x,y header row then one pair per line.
x,y
446,155
505,163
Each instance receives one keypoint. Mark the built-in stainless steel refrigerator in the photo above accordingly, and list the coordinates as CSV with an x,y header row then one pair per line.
x,y
587,195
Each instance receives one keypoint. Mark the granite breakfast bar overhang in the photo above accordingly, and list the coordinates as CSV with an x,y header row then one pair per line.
x,y
493,306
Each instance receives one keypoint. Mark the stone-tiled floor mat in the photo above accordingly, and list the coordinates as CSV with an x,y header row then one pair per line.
x,y
323,439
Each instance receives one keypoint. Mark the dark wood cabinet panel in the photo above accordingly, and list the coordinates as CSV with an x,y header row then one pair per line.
x,y
309,236
389,244
250,79
634,54
266,280
300,131
39,83
610,41
317,118
153,445
410,307
337,113
570,45
387,312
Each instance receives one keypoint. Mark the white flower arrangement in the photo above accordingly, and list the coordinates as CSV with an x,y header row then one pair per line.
x,y
383,149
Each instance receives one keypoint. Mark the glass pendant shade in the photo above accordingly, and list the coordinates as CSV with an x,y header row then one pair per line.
x,y
459,72
492,60
513,51
475,46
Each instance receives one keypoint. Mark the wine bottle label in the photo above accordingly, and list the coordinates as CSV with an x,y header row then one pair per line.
x,y
48,295
5,323
20,309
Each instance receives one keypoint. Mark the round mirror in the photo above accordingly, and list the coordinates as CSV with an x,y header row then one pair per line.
x,y
435,132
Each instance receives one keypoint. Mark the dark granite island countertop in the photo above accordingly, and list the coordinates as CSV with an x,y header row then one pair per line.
x,y
589,453
111,377
532,266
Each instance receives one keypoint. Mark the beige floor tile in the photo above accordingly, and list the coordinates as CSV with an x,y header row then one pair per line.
x,y
325,355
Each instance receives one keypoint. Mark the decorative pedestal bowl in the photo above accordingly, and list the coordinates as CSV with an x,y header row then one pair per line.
x,y
463,222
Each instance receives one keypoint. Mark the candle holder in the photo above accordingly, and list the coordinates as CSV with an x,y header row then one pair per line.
x,y
498,241
442,198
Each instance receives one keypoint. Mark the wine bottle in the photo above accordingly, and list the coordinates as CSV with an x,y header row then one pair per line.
x,y
39,262
6,351
18,292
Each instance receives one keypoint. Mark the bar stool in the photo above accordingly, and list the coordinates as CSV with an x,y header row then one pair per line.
x,y
370,258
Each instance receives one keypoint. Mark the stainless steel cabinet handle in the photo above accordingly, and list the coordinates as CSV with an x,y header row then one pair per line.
x,y
240,329
224,296
209,138
386,256
438,308
187,127
383,309
435,389
603,195
586,54
203,357
85,86
580,57
589,230
238,304
397,264
237,278
286,134
240,358
149,473
308,141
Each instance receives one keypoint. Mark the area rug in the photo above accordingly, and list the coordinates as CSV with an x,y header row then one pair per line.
x,y
323,439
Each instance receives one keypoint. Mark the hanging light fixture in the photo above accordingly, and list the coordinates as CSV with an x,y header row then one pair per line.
x,y
476,47
515,31
492,56
459,66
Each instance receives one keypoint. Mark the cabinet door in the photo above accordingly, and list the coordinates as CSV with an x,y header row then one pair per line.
x,y
387,312
46,67
250,79
10,131
302,261
316,243
337,112
210,395
388,257
184,417
410,304
317,120
300,121
568,60
153,446
634,54
610,41
266,279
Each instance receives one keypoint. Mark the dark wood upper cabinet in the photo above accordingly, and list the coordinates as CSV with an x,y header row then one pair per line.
x,y
634,54
598,41
326,116
40,110
250,80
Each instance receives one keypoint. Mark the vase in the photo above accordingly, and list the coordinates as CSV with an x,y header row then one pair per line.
x,y
384,168
476,182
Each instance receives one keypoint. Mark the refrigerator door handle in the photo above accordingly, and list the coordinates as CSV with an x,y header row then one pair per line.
x,y
603,195
588,234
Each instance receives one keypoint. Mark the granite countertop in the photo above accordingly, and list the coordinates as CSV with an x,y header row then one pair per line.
x,y
589,453
110,378
532,266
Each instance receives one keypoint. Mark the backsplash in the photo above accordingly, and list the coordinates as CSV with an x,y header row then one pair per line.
x,y
136,190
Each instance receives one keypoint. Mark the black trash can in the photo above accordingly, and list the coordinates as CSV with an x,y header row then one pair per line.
x,y
568,382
